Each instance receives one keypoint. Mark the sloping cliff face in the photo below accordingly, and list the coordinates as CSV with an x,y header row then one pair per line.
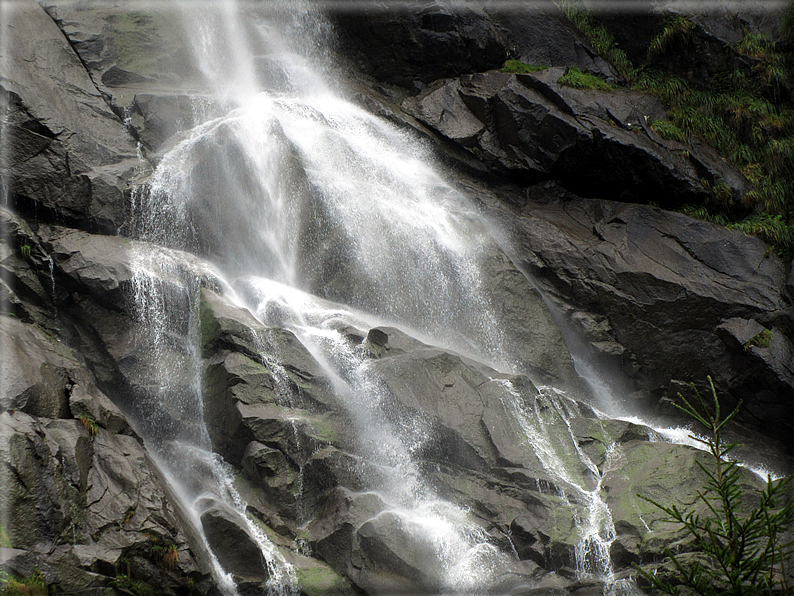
x,y
649,297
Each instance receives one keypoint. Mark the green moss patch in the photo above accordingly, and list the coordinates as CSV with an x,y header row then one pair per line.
x,y
11,585
322,581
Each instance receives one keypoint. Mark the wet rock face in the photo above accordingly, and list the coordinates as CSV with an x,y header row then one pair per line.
x,y
300,456
683,298
86,505
654,294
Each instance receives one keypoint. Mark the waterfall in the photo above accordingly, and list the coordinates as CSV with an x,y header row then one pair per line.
x,y
318,217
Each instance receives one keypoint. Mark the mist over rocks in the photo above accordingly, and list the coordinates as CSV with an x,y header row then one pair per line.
x,y
653,296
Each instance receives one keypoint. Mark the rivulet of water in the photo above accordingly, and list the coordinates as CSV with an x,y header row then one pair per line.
x,y
545,420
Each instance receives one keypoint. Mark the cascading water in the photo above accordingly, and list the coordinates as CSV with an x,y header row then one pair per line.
x,y
300,197
547,427
463,553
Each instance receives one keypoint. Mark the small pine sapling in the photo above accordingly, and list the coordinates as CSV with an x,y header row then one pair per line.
x,y
741,551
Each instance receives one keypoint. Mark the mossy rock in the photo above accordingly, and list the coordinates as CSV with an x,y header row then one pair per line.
x,y
322,581
595,436
666,473
663,472
518,67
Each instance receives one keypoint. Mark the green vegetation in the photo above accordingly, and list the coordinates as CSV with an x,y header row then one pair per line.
x,y
167,556
746,114
761,340
34,585
749,118
787,25
25,251
320,581
577,79
600,39
739,537
128,515
5,539
772,229
123,566
170,557
668,130
89,424
518,67
126,583
677,29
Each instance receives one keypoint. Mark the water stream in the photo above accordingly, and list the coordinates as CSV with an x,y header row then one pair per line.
x,y
298,197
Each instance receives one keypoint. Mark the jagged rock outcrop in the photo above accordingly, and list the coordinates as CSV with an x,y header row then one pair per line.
x,y
437,40
666,297
83,502
292,425
70,156
596,143
123,48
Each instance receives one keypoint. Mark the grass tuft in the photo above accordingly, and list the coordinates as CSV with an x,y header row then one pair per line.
x,y
34,585
599,38
518,67
89,424
577,79
677,30
668,130
747,115
761,340
170,557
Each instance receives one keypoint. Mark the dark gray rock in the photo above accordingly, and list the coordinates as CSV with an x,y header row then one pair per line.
x,y
539,34
388,544
667,474
331,533
124,48
412,48
83,505
237,552
666,283
72,157
100,264
462,401
157,117
35,375
707,51
647,289
596,143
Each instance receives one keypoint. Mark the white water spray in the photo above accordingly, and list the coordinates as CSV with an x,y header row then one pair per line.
x,y
295,193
